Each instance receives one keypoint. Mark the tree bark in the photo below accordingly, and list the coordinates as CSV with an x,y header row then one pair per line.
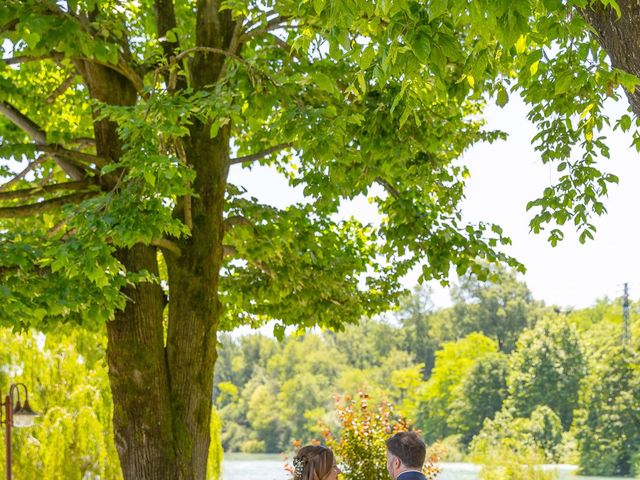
x,y
620,38
142,416
194,308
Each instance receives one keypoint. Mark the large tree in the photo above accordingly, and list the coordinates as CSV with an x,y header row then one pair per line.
x,y
501,309
121,121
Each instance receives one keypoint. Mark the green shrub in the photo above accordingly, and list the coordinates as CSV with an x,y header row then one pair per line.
x,y
635,464
361,446
568,452
502,462
540,433
253,446
480,395
547,368
545,429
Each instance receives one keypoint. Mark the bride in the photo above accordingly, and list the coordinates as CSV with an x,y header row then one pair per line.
x,y
315,462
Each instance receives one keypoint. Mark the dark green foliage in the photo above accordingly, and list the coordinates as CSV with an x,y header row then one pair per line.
x,y
271,393
481,394
608,422
501,308
420,328
547,368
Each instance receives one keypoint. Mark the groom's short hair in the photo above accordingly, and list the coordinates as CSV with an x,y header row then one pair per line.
x,y
409,448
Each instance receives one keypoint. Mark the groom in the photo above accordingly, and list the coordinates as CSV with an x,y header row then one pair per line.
x,y
406,453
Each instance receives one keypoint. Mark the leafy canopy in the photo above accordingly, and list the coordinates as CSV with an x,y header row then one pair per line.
x,y
338,96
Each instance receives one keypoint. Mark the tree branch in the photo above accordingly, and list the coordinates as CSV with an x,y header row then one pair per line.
x,y
234,220
39,191
234,44
85,159
260,155
388,187
27,58
165,22
168,245
83,142
64,86
255,29
221,51
24,172
229,251
255,24
74,155
22,211
187,206
38,135
122,66
284,46
9,26
23,122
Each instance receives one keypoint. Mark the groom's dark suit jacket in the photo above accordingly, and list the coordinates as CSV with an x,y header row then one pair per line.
x,y
411,476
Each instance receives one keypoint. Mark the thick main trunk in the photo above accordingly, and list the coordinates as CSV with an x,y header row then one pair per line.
x,y
620,37
138,369
142,417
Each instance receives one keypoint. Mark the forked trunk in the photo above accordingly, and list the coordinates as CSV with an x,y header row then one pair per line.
x,y
162,394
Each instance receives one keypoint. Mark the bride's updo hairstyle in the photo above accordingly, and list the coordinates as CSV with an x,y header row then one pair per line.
x,y
313,462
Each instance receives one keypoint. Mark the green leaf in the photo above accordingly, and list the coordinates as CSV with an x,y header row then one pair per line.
x,y
438,8
279,331
325,82
502,98
533,69
217,124
613,4
149,177
366,58
421,47
563,84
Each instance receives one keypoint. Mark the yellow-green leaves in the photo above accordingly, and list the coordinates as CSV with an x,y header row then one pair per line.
x,y
318,6
366,57
521,44
533,69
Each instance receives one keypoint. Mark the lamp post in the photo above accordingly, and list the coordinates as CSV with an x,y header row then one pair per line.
x,y
16,415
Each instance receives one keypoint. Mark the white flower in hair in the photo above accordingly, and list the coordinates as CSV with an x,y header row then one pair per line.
x,y
298,464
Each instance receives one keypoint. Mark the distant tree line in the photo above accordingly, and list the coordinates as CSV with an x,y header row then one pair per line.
x,y
496,370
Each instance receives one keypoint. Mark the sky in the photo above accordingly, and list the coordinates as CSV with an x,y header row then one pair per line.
x,y
504,177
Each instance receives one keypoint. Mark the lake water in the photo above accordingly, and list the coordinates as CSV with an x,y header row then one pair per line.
x,y
270,467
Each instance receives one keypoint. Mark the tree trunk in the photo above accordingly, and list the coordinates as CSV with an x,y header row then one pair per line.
x,y
194,308
163,394
142,417
620,37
